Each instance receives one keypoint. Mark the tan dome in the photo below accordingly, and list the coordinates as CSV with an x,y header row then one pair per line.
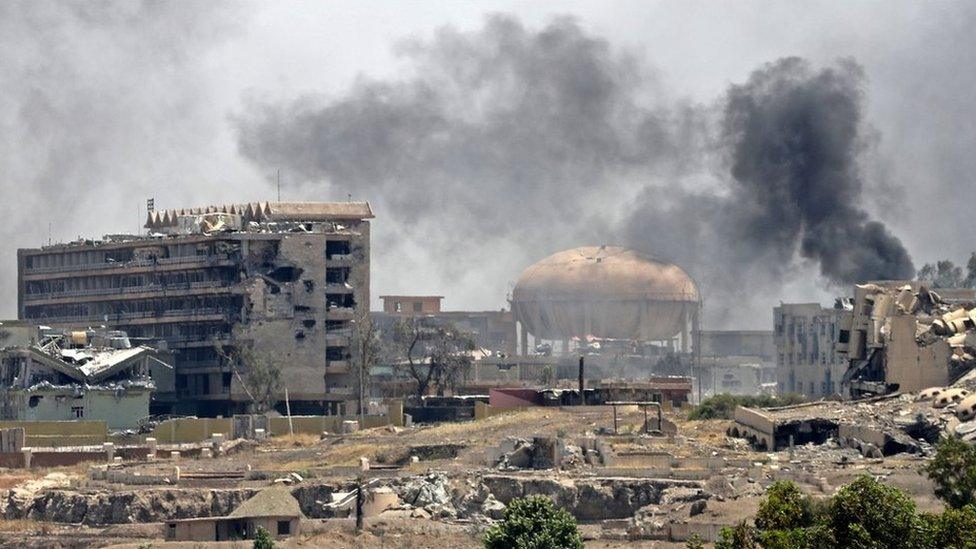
x,y
604,291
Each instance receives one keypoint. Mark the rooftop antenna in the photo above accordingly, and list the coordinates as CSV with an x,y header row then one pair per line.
x,y
278,176
48,233
348,197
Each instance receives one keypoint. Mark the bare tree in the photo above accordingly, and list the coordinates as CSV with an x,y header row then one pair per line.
x,y
435,355
261,377
369,349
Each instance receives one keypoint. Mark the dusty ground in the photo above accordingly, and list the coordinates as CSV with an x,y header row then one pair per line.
x,y
818,470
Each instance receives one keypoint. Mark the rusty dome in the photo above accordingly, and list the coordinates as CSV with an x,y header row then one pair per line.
x,y
606,292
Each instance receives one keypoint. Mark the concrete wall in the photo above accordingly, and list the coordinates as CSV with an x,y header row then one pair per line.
x,y
119,411
61,433
179,430
912,367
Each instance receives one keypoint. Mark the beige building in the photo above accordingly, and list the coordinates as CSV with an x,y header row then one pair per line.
x,y
879,338
273,509
806,361
286,279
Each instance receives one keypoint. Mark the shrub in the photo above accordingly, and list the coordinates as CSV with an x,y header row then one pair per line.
x,y
534,523
867,513
723,406
953,470
263,539
695,542
955,528
784,508
741,536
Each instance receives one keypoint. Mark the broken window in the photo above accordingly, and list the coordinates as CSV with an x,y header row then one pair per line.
x,y
309,323
336,248
418,306
398,307
336,325
337,275
336,353
299,334
285,273
78,411
309,285
335,301
284,527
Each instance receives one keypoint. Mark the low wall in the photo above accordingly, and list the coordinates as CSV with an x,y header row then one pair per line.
x,y
185,430
60,433
13,460
65,459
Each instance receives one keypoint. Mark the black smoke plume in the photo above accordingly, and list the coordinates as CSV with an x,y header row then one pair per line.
x,y
506,144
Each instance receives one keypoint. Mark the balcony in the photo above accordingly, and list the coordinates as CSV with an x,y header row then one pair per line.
x,y
124,291
185,260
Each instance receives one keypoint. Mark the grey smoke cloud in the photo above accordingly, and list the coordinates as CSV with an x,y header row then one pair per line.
x,y
103,104
552,139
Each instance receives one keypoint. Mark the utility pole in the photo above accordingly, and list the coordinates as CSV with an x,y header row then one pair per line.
x,y
581,382
278,178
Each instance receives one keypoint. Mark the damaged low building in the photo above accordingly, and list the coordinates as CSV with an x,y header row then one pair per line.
x,y
905,337
48,374
806,359
287,279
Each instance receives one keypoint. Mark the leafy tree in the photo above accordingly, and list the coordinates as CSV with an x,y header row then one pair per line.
x,y
951,528
741,536
534,523
263,539
261,377
695,542
784,508
723,406
437,355
867,513
953,470
970,281
943,274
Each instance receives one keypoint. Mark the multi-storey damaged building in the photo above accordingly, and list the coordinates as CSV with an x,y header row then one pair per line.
x,y
806,359
901,336
288,279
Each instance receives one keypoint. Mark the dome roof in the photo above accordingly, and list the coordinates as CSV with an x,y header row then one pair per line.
x,y
605,291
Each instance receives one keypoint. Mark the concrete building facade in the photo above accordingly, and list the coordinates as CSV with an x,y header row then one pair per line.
x,y
806,359
285,279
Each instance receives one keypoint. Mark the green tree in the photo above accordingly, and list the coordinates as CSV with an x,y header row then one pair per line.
x,y
954,528
740,536
953,470
263,539
534,523
943,274
784,508
723,406
867,513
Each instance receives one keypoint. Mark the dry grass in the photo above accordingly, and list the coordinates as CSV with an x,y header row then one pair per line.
x,y
297,440
20,526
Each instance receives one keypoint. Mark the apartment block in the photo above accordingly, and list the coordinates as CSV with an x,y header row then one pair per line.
x,y
806,359
285,279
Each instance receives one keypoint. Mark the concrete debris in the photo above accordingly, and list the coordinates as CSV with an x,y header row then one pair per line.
x,y
540,452
906,337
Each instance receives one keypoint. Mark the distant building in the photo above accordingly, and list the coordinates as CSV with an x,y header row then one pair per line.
x,y
806,359
287,279
491,330
738,362
60,375
273,509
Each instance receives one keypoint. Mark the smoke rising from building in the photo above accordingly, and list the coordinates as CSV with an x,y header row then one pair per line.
x,y
548,139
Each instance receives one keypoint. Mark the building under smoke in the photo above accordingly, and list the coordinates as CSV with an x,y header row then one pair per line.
x,y
606,293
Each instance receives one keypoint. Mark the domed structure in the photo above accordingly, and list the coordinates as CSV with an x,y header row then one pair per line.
x,y
606,292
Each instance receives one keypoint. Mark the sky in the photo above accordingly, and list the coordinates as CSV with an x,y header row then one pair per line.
x,y
105,104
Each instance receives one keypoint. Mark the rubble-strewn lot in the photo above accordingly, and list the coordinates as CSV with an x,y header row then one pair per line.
x,y
452,481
